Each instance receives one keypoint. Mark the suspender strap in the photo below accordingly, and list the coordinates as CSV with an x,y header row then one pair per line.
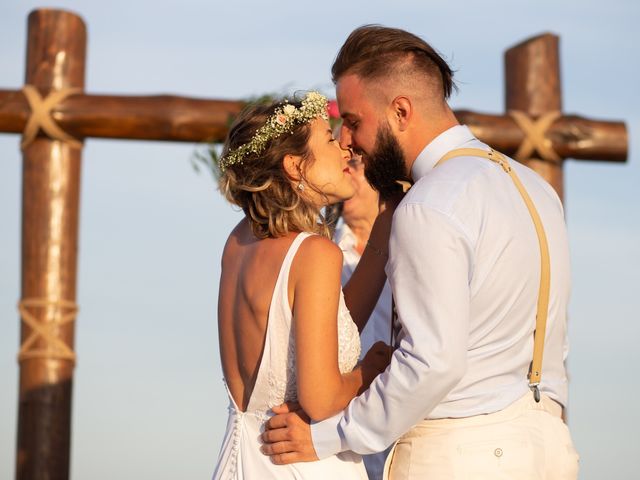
x,y
535,372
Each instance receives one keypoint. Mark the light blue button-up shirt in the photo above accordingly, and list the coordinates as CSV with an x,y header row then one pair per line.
x,y
464,268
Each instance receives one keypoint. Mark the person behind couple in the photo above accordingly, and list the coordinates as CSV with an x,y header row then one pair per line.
x,y
464,267
357,216
284,329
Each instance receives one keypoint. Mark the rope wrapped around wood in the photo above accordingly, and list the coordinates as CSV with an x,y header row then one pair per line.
x,y
535,139
55,347
41,118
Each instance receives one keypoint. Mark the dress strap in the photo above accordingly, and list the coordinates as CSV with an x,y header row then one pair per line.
x,y
293,249
281,292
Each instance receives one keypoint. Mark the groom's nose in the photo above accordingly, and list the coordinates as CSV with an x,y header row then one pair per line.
x,y
346,141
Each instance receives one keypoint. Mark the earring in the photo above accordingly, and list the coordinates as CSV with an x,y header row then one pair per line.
x,y
301,187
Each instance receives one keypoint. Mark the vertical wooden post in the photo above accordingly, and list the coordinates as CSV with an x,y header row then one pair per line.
x,y
532,77
50,203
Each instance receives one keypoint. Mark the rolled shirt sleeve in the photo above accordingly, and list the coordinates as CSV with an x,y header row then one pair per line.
x,y
429,268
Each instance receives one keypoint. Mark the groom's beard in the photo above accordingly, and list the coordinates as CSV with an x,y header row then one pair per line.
x,y
386,164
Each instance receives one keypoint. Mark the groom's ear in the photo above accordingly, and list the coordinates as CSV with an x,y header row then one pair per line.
x,y
402,111
291,165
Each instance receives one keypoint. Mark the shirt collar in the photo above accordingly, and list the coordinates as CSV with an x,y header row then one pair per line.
x,y
448,140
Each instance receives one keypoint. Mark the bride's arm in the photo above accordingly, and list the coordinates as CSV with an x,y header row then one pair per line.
x,y
315,276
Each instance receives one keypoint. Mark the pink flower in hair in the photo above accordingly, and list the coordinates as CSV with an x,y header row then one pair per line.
x,y
332,109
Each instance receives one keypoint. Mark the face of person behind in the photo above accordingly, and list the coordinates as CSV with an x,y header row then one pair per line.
x,y
364,203
328,173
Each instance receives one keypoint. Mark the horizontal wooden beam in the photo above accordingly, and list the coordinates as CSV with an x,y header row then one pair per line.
x,y
571,136
182,119
159,117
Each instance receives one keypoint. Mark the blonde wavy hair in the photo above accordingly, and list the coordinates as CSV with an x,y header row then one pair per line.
x,y
261,186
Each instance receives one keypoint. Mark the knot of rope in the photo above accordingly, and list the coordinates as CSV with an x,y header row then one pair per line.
x,y
55,347
535,139
41,118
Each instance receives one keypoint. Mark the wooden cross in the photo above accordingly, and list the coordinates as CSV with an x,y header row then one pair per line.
x,y
533,130
533,97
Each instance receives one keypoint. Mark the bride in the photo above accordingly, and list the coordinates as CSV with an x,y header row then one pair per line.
x,y
287,331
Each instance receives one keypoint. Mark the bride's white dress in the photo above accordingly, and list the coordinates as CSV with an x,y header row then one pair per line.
x,y
240,456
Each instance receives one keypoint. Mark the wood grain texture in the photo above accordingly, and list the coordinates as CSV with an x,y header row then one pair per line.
x,y
50,208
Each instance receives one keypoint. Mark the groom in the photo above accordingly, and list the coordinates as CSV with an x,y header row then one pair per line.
x,y
465,267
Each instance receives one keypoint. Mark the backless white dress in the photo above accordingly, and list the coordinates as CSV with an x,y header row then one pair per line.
x,y
240,456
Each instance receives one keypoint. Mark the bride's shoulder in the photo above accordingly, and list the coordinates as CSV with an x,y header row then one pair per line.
x,y
316,269
239,236
319,254
319,247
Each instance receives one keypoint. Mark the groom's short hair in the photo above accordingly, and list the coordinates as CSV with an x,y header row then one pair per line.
x,y
372,51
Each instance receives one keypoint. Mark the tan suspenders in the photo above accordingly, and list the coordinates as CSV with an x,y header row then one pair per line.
x,y
535,370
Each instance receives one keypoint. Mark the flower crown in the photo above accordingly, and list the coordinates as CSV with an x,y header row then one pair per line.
x,y
282,121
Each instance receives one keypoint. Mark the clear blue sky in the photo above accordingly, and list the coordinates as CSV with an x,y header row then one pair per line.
x,y
148,397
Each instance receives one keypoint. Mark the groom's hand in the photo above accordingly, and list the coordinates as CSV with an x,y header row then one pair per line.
x,y
287,436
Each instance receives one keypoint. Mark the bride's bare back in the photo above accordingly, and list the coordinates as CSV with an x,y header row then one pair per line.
x,y
250,269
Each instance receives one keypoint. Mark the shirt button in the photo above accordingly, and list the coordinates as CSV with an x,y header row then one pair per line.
x,y
497,452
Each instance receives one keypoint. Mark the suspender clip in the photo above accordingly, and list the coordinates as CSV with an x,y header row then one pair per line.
x,y
536,391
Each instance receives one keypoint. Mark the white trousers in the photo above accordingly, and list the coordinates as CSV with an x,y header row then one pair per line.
x,y
525,441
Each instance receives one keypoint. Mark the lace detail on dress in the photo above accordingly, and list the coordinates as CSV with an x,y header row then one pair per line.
x,y
291,392
282,379
284,388
348,339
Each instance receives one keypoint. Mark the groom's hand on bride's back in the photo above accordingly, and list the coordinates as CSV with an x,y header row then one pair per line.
x,y
287,436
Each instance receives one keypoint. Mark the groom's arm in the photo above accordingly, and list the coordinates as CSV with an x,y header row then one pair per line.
x,y
429,270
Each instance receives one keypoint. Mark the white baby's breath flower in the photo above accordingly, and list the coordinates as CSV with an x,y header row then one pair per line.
x,y
283,119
